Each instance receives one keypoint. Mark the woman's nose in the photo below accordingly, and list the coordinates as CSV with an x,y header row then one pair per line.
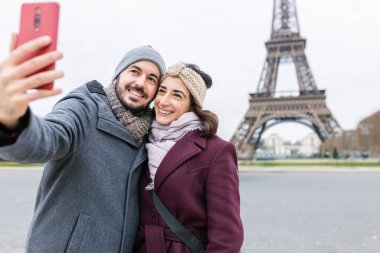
x,y
164,100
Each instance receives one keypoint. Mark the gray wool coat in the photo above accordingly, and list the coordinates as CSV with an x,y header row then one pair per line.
x,y
87,197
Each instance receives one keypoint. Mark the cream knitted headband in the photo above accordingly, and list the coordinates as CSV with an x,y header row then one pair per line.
x,y
191,79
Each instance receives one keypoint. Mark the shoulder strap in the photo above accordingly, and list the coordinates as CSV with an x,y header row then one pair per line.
x,y
183,233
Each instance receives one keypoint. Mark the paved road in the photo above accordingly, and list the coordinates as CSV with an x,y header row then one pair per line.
x,y
311,212
17,194
282,212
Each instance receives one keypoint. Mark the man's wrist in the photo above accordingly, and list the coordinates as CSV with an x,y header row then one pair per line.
x,y
10,125
9,135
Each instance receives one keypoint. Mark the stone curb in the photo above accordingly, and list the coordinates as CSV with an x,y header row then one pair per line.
x,y
245,169
310,169
16,168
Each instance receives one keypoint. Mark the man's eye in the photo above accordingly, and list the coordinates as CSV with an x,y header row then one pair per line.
x,y
153,80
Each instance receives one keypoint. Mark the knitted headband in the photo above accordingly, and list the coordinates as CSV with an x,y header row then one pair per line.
x,y
191,79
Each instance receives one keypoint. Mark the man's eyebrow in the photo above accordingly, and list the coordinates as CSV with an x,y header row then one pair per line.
x,y
154,75
136,67
139,69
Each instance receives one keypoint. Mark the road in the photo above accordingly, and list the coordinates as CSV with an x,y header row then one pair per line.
x,y
281,212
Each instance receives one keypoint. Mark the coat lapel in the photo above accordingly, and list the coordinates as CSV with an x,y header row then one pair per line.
x,y
141,157
188,146
115,130
108,123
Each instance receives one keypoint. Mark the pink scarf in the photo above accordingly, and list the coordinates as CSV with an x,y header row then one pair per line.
x,y
162,139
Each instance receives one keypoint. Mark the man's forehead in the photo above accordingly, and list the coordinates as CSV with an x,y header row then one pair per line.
x,y
144,63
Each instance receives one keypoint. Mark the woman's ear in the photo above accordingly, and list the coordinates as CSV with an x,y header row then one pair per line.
x,y
193,106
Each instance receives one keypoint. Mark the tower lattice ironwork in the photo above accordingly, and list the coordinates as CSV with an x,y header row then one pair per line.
x,y
266,108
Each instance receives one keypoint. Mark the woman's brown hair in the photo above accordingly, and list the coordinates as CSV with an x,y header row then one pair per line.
x,y
209,119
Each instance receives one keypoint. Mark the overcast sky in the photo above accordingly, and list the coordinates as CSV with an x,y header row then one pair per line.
x,y
226,39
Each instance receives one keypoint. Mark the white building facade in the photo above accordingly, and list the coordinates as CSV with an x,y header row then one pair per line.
x,y
276,146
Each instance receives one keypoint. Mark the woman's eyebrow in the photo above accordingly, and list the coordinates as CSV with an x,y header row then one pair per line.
x,y
180,92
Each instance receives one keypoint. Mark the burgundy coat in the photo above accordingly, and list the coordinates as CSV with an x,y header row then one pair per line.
x,y
198,182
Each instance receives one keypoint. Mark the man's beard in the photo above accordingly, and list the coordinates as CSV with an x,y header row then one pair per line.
x,y
133,109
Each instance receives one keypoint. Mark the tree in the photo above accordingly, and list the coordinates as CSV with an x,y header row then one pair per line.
x,y
335,153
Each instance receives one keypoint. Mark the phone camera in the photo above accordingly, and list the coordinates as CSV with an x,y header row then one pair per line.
x,y
37,19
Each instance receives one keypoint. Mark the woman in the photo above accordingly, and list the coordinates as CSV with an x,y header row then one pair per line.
x,y
193,172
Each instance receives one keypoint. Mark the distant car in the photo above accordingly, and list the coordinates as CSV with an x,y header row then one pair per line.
x,y
265,157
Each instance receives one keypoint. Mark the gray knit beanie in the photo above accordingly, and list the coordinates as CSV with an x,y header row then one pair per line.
x,y
144,53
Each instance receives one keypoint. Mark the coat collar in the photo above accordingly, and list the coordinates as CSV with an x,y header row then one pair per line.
x,y
107,121
188,146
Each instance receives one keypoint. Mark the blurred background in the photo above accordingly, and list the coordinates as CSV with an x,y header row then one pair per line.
x,y
226,39
309,209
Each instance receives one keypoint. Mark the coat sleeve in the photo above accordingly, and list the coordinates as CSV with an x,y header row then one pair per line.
x,y
225,229
52,137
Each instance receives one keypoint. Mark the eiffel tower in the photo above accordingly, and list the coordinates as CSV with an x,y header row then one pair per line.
x,y
268,107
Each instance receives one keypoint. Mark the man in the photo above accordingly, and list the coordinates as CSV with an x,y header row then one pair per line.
x,y
92,144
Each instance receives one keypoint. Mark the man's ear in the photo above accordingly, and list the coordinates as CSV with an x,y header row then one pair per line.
x,y
116,80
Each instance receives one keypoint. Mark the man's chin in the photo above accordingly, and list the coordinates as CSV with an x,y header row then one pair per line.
x,y
133,105
134,108
137,110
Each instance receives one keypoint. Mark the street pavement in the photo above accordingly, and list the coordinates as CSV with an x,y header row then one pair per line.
x,y
282,212
311,212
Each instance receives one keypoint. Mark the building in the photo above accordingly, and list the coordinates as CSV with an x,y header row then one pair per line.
x,y
362,142
276,147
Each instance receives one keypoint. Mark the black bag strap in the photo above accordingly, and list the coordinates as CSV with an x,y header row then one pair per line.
x,y
183,233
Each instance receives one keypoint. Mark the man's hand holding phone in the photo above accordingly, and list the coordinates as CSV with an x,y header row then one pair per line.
x,y
31,63
19,73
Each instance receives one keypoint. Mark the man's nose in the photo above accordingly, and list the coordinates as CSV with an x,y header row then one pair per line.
x,y
140,81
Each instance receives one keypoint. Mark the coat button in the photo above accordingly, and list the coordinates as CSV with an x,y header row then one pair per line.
x,y
153,212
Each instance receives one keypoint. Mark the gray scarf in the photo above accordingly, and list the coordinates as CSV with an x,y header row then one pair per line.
x,y
162,139
137,125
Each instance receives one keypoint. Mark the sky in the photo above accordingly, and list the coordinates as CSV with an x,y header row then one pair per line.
x,y
226,39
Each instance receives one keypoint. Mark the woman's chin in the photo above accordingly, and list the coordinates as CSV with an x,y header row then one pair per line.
x,y
163,122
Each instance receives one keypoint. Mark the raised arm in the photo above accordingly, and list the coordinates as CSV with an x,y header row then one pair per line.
x,y
16,78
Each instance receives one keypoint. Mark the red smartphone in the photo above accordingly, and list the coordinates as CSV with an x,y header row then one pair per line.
x,y
39,19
